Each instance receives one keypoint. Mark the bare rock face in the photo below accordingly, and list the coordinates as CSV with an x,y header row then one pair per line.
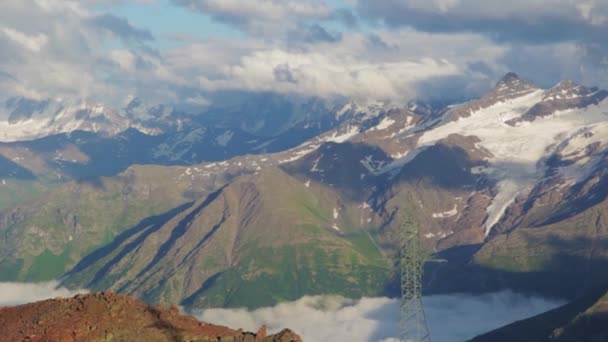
x,y
565,95
511,86
110,317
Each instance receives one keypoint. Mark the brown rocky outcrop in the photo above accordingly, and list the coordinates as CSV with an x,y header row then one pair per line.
x,y
110,317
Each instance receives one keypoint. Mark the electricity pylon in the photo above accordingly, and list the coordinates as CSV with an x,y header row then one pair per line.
x,y
413,319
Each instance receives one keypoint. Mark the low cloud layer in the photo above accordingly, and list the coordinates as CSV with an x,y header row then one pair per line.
x,y
22,293
451,318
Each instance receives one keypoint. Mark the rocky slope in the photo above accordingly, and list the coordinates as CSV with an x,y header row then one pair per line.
x,y
582,320
109,317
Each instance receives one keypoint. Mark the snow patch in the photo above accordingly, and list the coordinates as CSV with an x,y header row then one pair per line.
x,y
225,138
336,137
300,152
315,166
372,166
517,152
447,214
384,124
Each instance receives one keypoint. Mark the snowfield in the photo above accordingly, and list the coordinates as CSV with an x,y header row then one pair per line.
x,y
518,152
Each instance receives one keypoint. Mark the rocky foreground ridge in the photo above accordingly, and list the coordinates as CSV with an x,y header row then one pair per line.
x,y
109,317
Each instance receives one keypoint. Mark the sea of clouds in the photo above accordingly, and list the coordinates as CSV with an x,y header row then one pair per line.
x,y
21,293
451,318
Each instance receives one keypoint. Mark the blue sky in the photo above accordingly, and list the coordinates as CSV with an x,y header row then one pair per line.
x,y
164,20
183,51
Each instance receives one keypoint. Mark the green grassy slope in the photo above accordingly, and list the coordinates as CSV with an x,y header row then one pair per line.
x,y
46,234
262,239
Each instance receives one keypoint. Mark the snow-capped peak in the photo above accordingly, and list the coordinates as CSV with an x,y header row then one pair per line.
x,y
519,135
26,119
512,85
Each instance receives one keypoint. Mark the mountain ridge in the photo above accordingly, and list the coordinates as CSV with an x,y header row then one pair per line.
x,y
496,201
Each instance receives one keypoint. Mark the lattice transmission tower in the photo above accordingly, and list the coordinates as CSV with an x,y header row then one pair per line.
x,y
412,258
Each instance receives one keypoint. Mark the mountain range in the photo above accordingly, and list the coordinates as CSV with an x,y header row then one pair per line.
x,y
267,199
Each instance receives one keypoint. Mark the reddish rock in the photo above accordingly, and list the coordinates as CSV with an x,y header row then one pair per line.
x,y
106,316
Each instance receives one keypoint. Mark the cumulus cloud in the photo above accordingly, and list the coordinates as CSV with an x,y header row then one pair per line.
x,y
57,48
451,318
383,66
577,28
260,16
524,20
33,43
454,49
121,28
321,75
22,293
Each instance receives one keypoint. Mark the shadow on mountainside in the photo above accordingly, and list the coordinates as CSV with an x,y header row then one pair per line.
x,y
564,274
181,228
10,169
444,166
145,228
597,194
567,321
342,166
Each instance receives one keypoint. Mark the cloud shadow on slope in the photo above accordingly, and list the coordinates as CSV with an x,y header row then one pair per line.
x,y
541,327
444,166
10,169
180,229
564,274
144,228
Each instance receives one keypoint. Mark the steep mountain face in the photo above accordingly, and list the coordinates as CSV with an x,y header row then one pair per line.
x,y
565,95
245,244
505,194
107,317
544,225
510,87
582,320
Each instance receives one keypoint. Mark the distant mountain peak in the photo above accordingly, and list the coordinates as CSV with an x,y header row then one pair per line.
x,y
511,83
509,77
565,95
570,90
509,87
566,84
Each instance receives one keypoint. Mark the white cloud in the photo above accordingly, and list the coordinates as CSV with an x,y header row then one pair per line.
x,y
124,58
452,318
493,9
33,42
61,48
260,16
57,48
22,293
320,74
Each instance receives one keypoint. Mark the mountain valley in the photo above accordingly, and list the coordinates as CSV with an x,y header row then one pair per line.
x,y
508,191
